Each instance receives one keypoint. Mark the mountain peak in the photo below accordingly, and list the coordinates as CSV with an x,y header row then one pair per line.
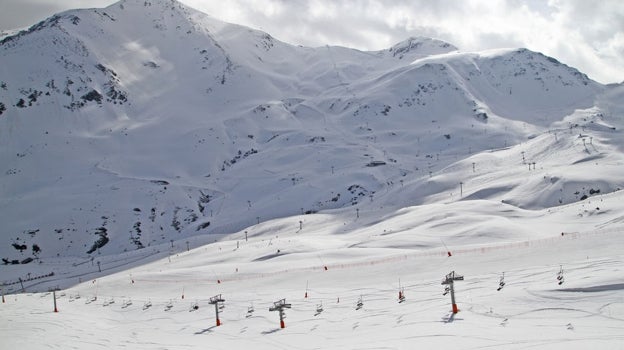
x,y
74,16
418,46
147,3
150,6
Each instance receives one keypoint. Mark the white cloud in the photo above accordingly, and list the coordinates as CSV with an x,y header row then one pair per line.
x,y
587,35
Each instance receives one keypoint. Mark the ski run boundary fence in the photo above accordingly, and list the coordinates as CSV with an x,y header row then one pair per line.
x,y
483,249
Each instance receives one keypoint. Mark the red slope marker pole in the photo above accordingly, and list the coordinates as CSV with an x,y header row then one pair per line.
x,y
306,291
54,296
448,252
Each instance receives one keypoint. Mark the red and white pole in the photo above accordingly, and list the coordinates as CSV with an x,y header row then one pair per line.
x,y
54,296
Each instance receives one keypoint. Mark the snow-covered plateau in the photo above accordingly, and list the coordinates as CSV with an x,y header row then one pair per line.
x,y
153,158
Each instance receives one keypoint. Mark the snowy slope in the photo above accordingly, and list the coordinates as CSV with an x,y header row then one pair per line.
x,y
337,259
147,122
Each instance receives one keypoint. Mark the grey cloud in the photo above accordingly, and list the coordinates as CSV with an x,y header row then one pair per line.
x,y
19,13
593,20
16,14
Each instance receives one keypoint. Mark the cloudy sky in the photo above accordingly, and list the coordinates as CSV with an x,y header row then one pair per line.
x,y
585,34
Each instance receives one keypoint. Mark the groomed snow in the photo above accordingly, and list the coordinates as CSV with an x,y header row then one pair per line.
x,y
531,311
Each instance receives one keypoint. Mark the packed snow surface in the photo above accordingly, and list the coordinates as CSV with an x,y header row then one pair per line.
x,y
322,266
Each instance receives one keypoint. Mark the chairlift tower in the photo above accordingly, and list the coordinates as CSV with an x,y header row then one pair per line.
x,y
501,282
449,280
217,301
359,304
319,309
250,311
280,305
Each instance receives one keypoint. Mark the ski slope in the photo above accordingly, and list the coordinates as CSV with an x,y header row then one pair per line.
x,y
531,311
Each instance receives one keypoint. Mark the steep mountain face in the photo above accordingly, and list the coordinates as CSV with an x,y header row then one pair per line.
x,y
147,121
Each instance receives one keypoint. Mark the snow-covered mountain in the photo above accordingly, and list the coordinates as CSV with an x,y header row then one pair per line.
x,y
148,122
152,157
